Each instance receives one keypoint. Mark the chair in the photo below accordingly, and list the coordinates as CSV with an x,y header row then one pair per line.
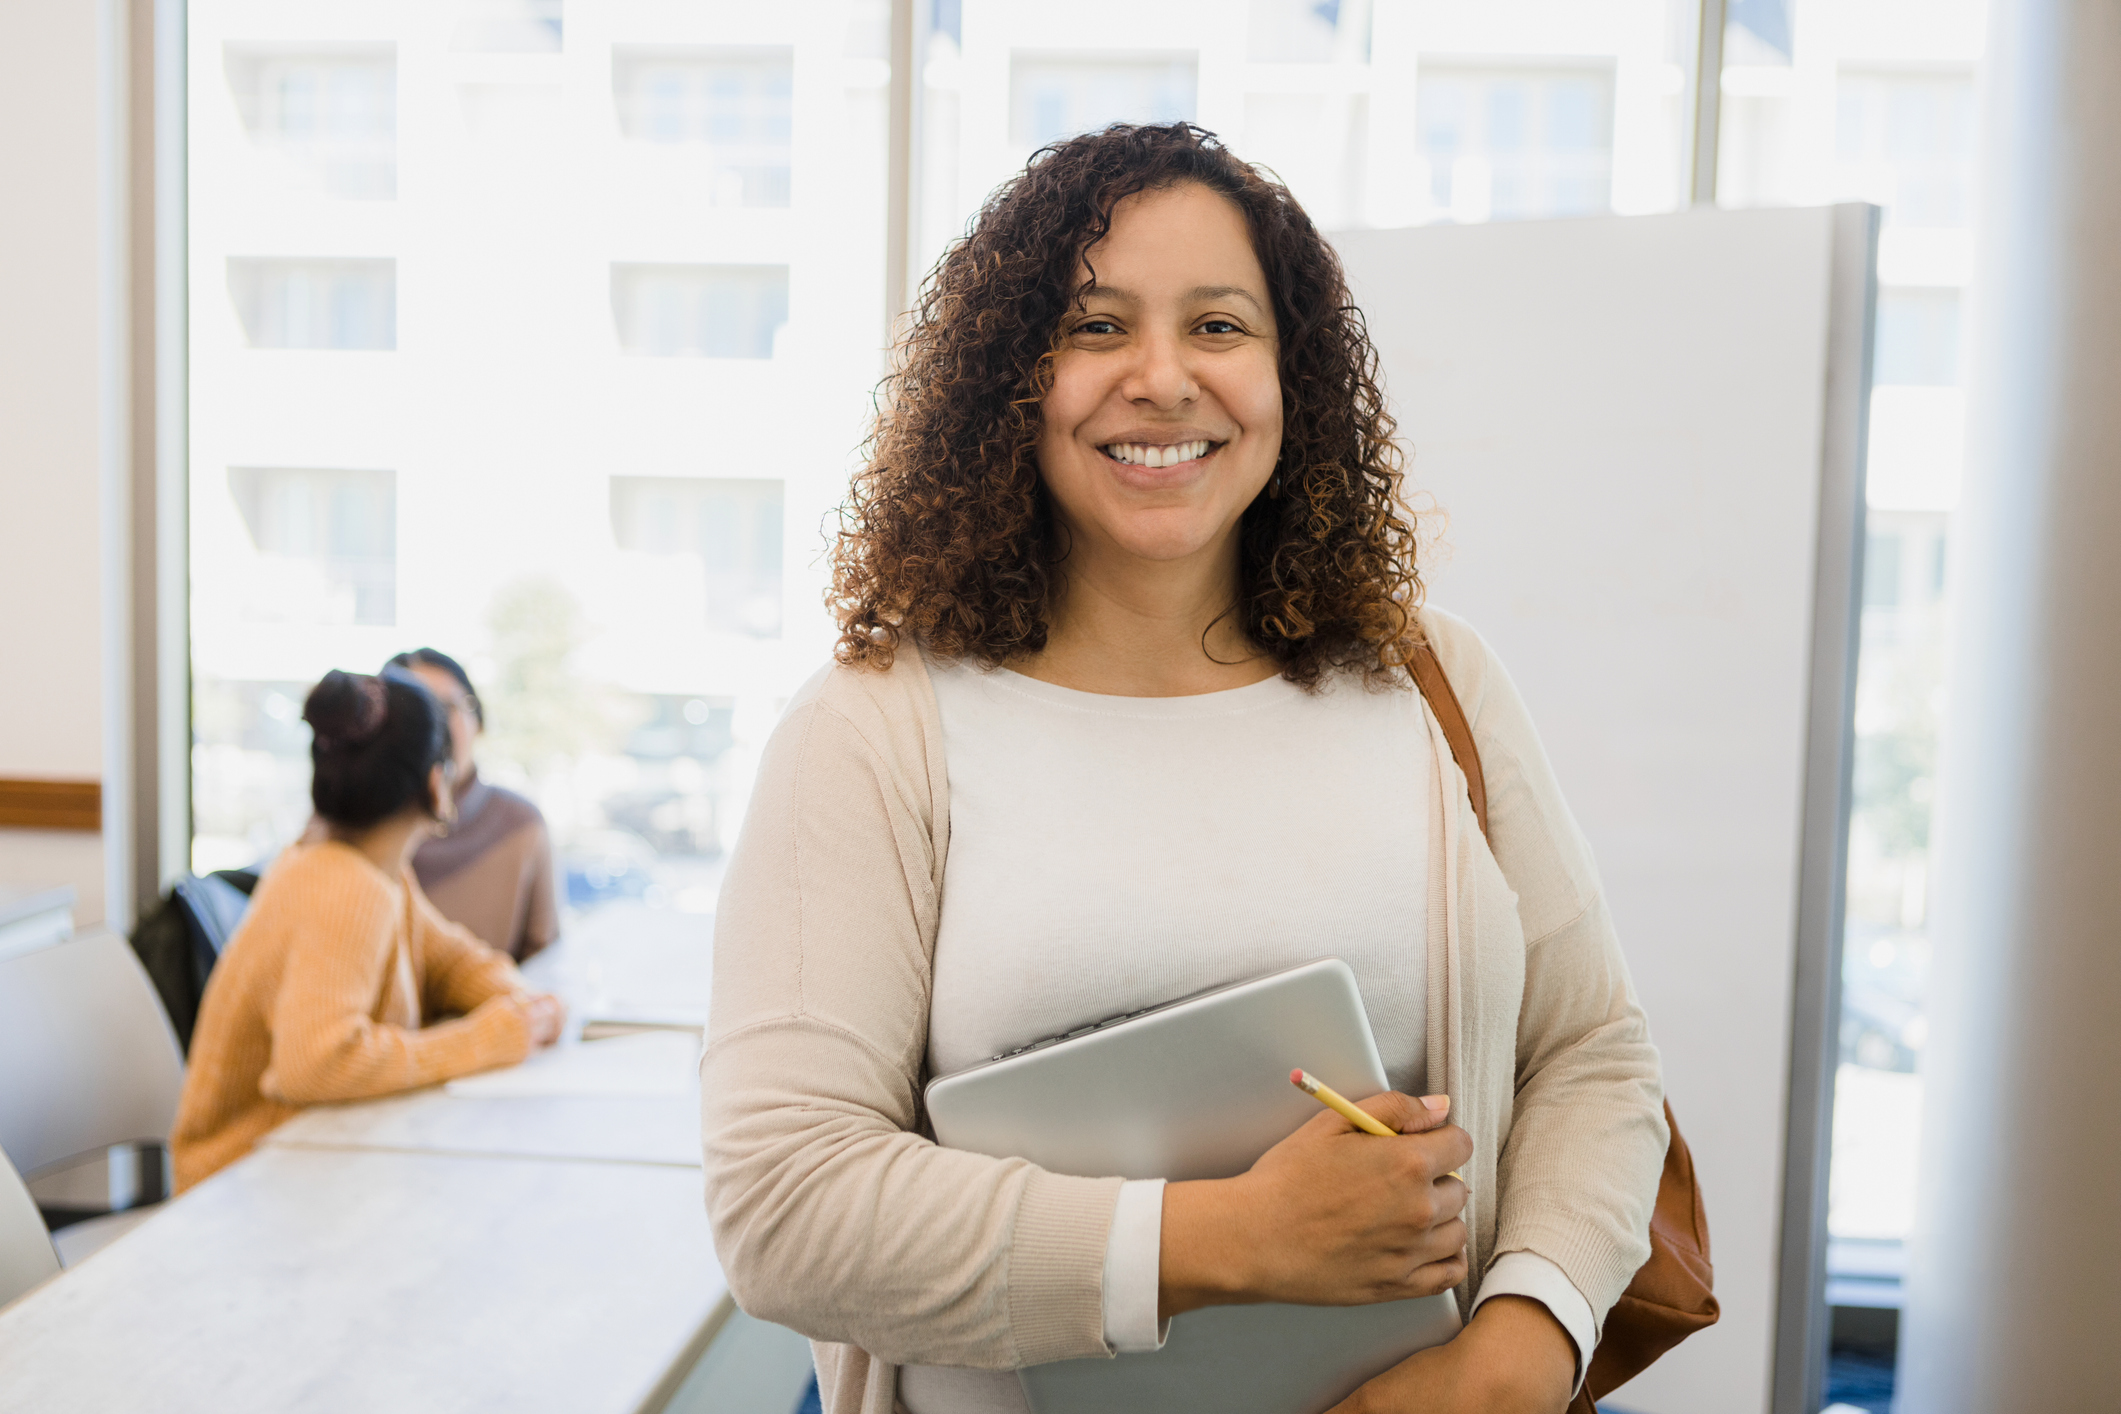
x,y
26,1255
179,941
87,1062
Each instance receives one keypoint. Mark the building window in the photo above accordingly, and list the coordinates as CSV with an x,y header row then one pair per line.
x,y
1881,571
1053,98
1308,32
332,119
316,304
1510,144
734,107
508,26
731,527
1906,141
1918,337
699,311
327,543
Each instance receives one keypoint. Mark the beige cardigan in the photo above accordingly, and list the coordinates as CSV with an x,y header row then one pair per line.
x,y
834,1214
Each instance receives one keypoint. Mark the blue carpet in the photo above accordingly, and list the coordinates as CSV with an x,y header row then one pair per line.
x,y
811,1403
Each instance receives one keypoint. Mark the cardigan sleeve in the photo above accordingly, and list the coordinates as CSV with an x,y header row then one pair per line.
x,y
1579,1168
457,971
325,1043
831,1213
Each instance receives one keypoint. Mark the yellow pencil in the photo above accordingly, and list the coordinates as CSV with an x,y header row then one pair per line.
x,y
1340,1104
1347,1109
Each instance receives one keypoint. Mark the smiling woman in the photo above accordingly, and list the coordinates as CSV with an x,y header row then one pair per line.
x,y
1121,299
1121,714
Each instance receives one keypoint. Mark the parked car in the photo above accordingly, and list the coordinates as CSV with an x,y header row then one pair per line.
x,y
603,865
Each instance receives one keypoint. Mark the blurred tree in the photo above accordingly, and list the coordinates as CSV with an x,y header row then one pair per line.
x,y
1896,764
539,709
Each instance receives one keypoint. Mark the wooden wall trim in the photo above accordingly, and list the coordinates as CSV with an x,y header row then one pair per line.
x,y
29,804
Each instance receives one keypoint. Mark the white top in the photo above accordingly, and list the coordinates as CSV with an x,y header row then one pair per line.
x,y
1111,853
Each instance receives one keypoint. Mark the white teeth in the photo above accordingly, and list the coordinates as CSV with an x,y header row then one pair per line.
x,y
1141,454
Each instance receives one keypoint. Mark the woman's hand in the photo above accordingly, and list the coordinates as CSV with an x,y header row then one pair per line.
x,y
1512,1358
548,1017
1328,1217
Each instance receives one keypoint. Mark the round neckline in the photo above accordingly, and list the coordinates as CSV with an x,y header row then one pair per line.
x,y
1266,692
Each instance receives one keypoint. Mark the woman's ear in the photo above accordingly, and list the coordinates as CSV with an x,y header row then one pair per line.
x,y
441,801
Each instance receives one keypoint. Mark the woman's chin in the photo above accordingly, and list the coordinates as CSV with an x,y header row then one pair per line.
x,y
1165,538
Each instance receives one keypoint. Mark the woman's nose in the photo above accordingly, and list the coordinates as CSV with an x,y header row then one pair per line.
x,y
1162,374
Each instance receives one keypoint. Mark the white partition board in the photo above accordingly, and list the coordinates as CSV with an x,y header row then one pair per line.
x,y
1644,432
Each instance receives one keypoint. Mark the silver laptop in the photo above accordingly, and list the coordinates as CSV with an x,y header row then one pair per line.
x,y
1197,1088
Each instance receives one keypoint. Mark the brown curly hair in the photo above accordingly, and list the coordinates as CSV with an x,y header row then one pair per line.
x,y
948,533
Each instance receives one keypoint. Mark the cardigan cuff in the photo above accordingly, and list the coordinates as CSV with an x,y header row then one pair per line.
x,y
1057,1267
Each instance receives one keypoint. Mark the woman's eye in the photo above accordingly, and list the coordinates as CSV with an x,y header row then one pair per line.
x,y
1097,326
1219,326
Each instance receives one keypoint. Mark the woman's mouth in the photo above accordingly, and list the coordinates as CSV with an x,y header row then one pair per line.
x,y
1156,457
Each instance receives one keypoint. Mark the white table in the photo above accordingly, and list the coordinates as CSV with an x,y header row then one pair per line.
x,y
640,1128
363,1281
632,965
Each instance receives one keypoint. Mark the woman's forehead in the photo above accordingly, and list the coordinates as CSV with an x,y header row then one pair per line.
x,y
1184,242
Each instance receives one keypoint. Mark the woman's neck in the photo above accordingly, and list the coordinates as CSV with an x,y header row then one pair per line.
x,y
1133,627
387,844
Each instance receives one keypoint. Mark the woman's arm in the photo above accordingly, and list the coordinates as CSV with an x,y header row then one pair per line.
x,y
1579,1167
457,971
830,1214
325,1044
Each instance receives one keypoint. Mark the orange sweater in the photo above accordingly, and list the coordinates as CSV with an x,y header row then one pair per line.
x,y
319,996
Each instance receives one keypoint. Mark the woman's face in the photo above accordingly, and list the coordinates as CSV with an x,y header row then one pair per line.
x,y
456,705
1164,417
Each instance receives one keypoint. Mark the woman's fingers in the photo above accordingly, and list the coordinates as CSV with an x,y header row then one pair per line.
x,y
1439,1152
1432,1277
1407,1114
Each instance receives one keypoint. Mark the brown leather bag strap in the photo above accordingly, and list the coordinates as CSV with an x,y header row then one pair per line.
x,y
1673,1294
1457,731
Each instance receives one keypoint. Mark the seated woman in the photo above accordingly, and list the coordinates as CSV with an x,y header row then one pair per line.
x,y
322,993
492,870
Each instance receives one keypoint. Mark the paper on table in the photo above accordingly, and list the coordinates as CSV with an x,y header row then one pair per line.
x,y
653,1063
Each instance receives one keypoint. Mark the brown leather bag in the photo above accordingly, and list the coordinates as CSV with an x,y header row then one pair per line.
x,y
1672,1296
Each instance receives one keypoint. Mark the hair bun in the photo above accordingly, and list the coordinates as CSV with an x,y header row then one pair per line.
x,y
346,709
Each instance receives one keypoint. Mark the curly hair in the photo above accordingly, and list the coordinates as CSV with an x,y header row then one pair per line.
x,y
948,532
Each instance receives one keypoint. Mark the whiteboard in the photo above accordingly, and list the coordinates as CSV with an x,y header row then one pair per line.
x,y
1646,435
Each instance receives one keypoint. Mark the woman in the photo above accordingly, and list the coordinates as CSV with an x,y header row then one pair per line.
x,y
322,993
1118,716
492,871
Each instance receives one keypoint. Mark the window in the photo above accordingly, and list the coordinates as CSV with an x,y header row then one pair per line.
x,y
559,194
1879,106
735,109
1509,144
699,311
1881,571
730,531
1917,338
1318,144
331,119
316,304
326,543
1906,141
1053,97
1308,32
508,26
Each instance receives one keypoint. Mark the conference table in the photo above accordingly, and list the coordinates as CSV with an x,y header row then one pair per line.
x,y
527,1240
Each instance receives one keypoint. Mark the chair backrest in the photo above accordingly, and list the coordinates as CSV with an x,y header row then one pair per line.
x,y
216,907
87,1057
26,1255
